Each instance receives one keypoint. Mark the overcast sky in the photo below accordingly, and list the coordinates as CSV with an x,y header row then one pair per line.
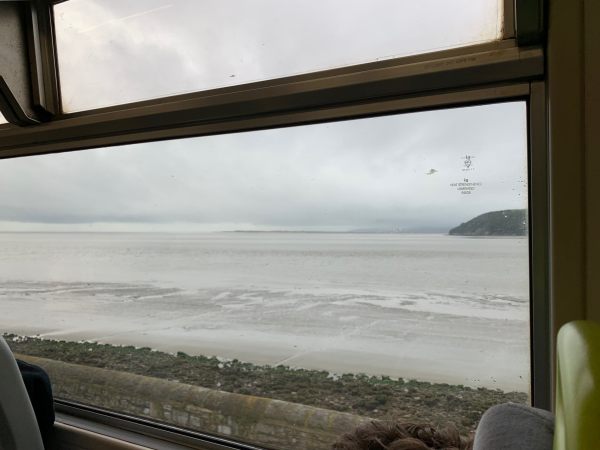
x,y
386,173
115,51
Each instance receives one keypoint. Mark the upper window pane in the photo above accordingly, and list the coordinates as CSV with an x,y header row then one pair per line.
x,y
112,52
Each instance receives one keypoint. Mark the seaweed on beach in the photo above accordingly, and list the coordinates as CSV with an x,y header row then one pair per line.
x,y
377,397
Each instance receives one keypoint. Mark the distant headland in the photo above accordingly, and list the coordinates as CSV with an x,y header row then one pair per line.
x,y
508,222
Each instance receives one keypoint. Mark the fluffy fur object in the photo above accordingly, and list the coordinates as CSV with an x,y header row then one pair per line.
x,y
378,435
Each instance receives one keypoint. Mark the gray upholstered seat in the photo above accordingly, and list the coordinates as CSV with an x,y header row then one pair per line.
x,y
513,426
18,425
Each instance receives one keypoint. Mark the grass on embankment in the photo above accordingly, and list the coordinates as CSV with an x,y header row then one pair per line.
x,y
376,397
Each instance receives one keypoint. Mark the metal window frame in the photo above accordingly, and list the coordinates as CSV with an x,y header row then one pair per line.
x,y
539,248
530,22
266,104
43,59
44,99
481,74
29,92
140,431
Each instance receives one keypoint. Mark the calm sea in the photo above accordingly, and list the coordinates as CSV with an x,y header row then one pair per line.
x,y
433,307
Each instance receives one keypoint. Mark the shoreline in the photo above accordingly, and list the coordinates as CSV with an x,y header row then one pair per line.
x,y
379,397
442,359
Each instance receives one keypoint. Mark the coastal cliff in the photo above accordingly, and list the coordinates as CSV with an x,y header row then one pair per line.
x,y
508,222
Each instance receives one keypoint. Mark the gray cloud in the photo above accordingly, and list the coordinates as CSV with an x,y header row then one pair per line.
x,y
111,51
368,173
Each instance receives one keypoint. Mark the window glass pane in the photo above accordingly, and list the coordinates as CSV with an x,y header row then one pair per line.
x,y
112,52
2,119
373,268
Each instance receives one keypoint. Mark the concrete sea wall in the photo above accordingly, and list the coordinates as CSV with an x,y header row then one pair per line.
x,y
272,423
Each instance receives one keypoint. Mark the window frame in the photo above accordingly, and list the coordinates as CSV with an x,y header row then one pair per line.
x,y
480,74
533,93
257,105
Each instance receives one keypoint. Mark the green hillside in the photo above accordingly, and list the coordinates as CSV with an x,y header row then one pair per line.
x,y
509,222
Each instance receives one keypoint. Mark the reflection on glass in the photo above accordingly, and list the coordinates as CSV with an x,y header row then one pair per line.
x,y
112,52
279,261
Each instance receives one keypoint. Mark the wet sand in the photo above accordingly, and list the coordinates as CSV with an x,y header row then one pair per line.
x,y
473,341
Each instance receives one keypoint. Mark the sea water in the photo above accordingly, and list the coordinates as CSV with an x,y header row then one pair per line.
x,y
432,307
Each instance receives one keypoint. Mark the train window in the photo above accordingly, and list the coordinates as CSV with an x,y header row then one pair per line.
x,y
279,286
106,55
